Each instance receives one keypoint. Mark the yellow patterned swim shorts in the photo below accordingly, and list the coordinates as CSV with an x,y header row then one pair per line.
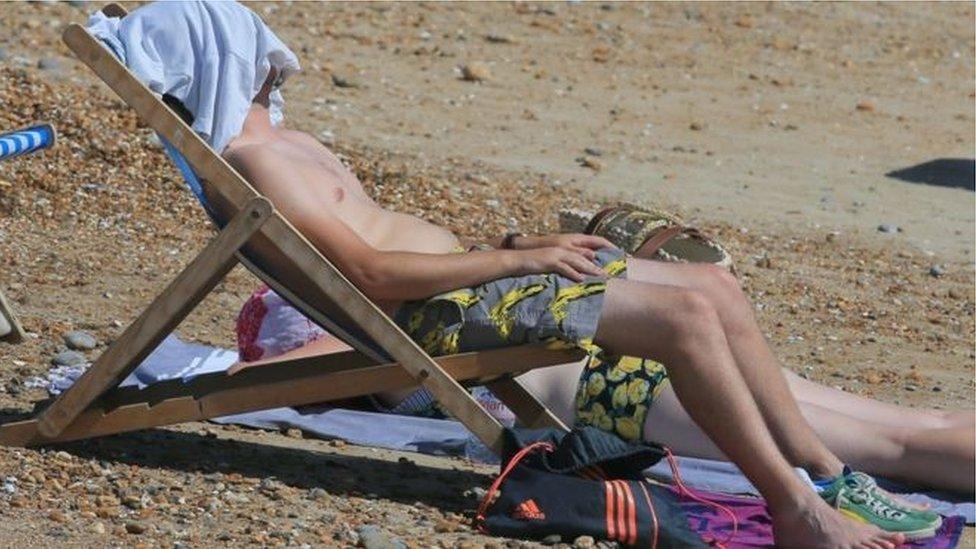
x,y
614,392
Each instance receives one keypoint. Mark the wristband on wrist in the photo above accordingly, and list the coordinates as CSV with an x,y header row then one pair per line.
x,y
508,243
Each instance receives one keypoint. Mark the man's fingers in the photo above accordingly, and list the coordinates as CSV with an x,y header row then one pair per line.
x,y
586,252
595,242
569,272
584,265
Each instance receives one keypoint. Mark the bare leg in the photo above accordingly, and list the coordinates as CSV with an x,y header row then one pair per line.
x,y
941,458
753,357
681,327
869,409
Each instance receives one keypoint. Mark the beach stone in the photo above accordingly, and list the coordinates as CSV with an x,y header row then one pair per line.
x,y
327,137
57,516
48,64
865,106
584,542
80,341
135,527
593,151
344,81
937,270
552,539
591,163
156,143
269,484
3,54
372,537
475,72
476,493
97,528
497,38
317,493
68,358
889,228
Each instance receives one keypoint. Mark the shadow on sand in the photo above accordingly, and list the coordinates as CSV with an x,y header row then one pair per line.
x,y
338,474
959,173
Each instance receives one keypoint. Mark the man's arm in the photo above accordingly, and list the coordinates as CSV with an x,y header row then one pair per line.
x,y
585,244
393,276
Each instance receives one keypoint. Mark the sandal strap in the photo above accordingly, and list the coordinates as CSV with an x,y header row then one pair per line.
x,y
660,238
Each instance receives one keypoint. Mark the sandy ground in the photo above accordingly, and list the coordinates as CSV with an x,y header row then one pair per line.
x,y
772,126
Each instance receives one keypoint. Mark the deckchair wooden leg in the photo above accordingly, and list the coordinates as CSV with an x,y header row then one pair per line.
x,y
16,333
158,320
529,410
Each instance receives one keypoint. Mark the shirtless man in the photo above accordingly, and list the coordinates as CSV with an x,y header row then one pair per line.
x,y
692,317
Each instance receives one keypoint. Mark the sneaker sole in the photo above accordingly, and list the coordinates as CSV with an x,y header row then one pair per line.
x,y
912,535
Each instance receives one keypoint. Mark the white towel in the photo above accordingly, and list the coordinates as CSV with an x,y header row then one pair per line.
x,y
212,56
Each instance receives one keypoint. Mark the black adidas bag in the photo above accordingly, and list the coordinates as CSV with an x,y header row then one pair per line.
x,y
585,482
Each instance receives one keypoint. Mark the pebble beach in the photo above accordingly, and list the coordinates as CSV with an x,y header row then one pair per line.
x,y
772,127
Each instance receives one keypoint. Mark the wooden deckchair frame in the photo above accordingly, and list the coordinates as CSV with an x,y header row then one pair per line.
x,y
93,406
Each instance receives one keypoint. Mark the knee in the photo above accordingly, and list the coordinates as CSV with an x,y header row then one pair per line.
x,y
694,318
721,280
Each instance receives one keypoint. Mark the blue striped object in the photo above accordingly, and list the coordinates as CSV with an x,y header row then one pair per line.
x,y
26,141
192,181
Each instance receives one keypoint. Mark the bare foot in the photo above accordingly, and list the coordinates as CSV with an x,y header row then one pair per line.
x,y
815,524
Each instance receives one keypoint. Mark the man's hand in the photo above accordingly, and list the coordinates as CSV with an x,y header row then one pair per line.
x,y
569,263
583,244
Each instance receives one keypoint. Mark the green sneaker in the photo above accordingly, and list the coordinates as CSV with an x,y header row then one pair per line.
x,y
857,496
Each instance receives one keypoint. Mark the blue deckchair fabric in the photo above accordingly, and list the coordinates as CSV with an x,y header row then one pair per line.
x,y
192,181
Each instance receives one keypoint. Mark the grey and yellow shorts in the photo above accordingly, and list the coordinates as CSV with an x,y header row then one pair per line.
x,y
614,392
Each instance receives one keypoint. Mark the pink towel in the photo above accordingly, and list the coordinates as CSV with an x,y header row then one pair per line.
x,y
755,525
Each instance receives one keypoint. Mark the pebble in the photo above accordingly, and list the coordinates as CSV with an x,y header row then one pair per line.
x,y
293,433
156,143
135,527
937,271
371,537
552,539
69,358
317,493
48,64
3,54
476,493
97,528
889,228
327,137
593,151
269,484
475,72
865,106
343,81
696,126
584,542
57,516
499,38
591,163
80,341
